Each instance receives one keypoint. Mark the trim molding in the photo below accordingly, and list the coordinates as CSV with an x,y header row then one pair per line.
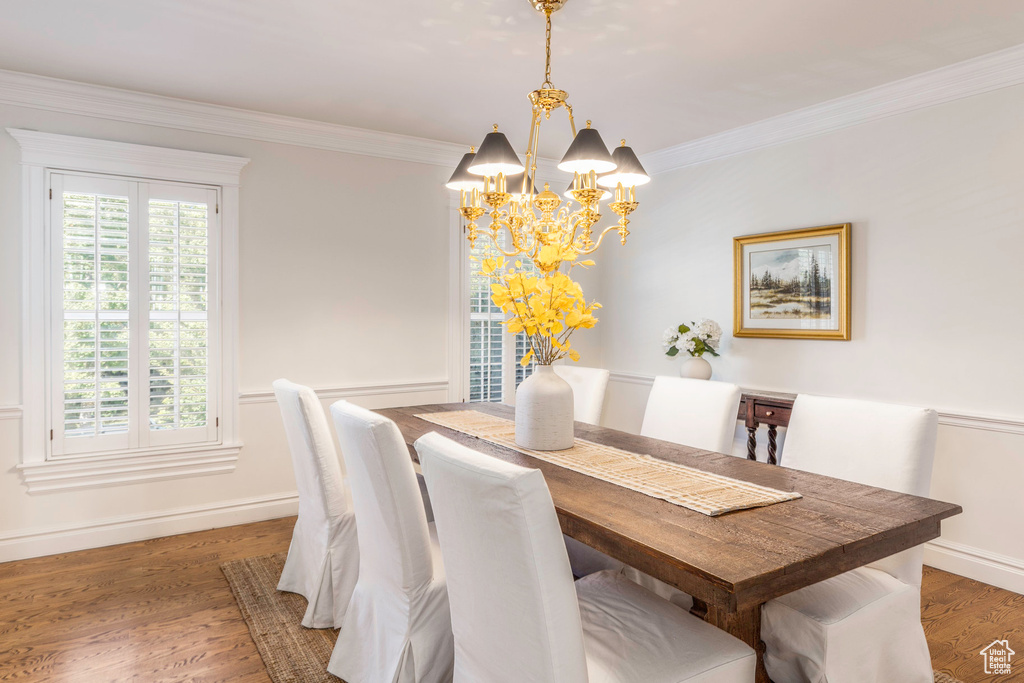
x,y
113,530
93,471
964,79
328,393
976,76
84,99
975,563
989,423
12,412
74,153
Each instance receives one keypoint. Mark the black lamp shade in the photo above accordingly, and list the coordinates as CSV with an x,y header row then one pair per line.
x,y
629,171
514,184
587,153
462,179
496,156
605,194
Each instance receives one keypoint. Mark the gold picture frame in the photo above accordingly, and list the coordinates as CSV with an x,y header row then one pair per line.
x,y
793,284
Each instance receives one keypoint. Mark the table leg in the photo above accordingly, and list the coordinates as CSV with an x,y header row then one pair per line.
x,y
745,625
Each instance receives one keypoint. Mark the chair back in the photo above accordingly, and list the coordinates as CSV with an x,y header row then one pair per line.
x,y
588,389
514,611
878,444
319,475
394,540
692,412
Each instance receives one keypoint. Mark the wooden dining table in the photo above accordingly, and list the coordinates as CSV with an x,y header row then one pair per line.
x,y
731,564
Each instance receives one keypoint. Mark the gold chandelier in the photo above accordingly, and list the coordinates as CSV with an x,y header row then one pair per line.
x,y
494,176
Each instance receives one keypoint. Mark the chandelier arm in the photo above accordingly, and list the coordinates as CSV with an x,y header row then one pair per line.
x,y
572,121
498,247
597,245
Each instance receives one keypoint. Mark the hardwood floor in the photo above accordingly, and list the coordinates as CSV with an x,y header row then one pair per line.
x,y
161,610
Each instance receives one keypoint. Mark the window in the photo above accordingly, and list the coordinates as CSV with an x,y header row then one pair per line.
x,y
494,354
130,321
134,309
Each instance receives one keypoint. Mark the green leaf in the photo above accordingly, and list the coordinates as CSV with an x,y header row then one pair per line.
x,y
683,329
672,352
712,352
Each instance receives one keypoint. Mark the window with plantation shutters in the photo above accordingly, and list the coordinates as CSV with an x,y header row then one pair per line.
x,y
494,354
134,314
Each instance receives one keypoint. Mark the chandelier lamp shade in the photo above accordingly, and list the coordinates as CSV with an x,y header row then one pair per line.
x,y
494,180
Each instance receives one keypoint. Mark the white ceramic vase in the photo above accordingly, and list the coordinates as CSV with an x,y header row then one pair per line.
x,y
544,414
695,368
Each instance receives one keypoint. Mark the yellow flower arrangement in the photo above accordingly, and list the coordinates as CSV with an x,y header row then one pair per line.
x,y
548,306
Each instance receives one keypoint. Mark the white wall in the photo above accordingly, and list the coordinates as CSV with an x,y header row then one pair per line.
x,y
344,275
936,198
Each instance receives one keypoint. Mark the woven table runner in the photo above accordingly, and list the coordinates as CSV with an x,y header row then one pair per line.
x,y
697,490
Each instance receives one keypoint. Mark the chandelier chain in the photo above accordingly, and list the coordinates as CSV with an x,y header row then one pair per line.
x,y
547,44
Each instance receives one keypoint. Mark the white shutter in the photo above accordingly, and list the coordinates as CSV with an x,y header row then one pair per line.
x,y
494,354
181,319
91,328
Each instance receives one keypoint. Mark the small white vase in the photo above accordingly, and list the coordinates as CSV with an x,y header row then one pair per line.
x,y
544,414
695,368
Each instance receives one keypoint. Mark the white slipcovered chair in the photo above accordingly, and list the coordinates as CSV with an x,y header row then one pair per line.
x,y
515,612
397,628
323,558
864,625
588,389
692,412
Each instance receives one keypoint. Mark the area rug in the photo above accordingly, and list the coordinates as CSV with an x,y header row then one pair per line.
x,y
293,654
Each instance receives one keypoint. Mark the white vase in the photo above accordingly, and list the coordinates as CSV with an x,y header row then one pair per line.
x,y
695,368
544,415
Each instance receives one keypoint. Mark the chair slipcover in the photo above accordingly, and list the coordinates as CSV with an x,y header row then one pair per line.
x,y
323,558
397,628
515,613
588,389
864,625
692,412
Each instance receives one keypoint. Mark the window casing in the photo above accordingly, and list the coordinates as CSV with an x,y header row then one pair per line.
x,y
202,435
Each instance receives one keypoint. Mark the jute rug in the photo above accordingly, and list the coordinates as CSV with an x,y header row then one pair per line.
x,y
293,654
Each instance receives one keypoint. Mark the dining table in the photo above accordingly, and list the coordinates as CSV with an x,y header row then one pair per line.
x,y
732,563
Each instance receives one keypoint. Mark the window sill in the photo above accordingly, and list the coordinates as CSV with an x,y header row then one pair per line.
x,y
113,469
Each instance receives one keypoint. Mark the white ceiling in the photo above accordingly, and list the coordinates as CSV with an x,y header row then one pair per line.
x,y
658,72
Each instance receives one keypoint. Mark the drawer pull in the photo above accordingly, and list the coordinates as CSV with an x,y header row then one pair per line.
x,y
769,413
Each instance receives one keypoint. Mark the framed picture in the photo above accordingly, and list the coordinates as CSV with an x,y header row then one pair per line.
x,y
793,284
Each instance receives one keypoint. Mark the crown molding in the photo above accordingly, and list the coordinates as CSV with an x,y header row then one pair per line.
x,y
121,158
964,79
83,99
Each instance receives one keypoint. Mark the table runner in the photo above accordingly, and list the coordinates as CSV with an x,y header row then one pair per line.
x,y
694,489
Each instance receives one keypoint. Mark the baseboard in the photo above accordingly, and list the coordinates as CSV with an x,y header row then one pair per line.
x,y
114,530
981,565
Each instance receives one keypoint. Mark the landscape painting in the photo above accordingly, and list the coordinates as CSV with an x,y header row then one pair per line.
x,y
787,284
793,284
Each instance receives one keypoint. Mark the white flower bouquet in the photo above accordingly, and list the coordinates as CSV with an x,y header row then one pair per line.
x,y
695,339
